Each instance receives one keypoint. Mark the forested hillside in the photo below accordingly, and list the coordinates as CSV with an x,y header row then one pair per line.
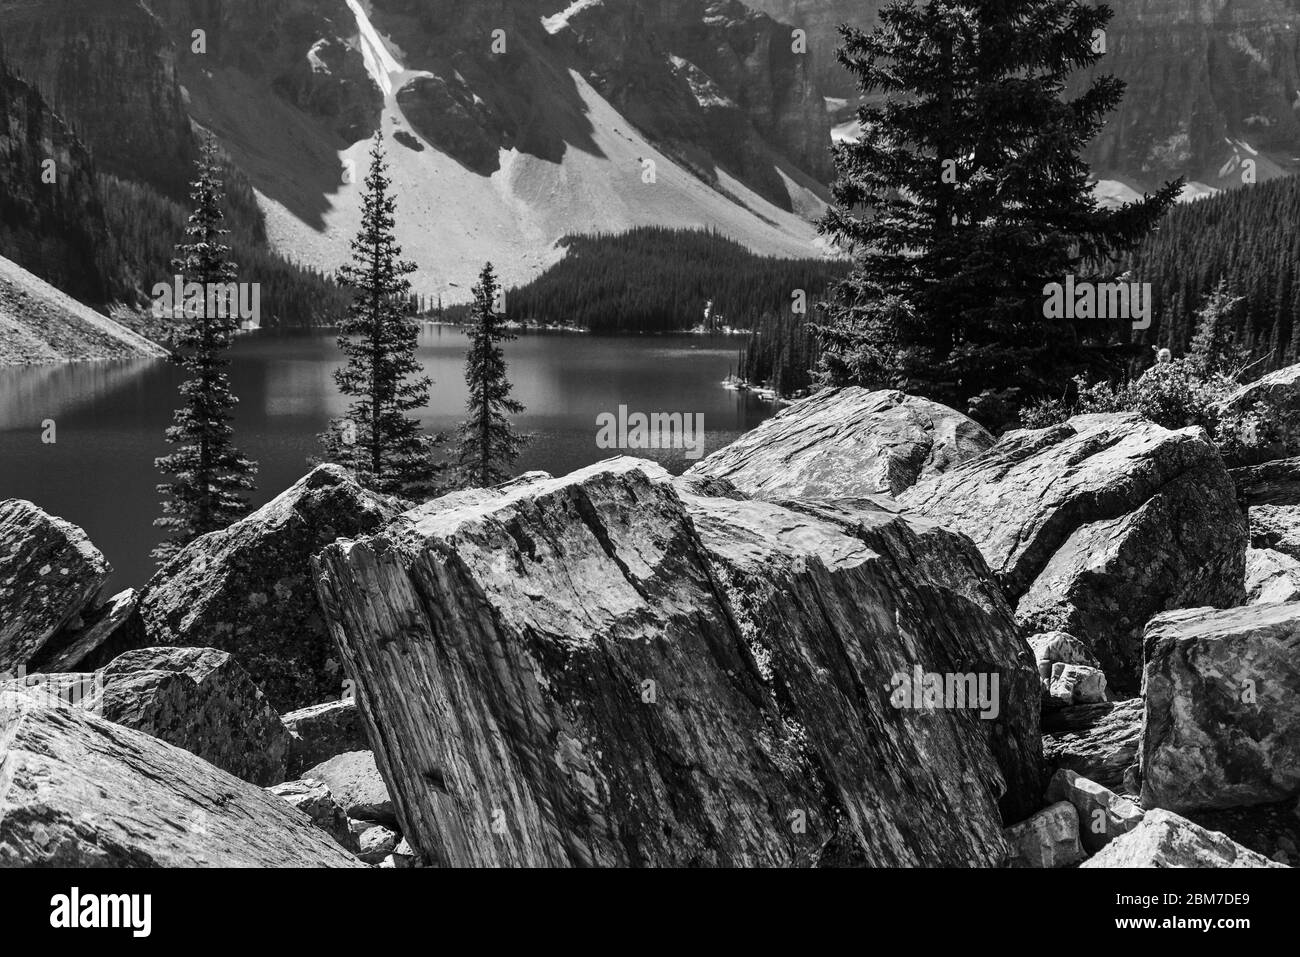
x,y
1251,237
658,280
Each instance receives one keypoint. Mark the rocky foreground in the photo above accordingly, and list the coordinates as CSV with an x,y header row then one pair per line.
x,y
866,634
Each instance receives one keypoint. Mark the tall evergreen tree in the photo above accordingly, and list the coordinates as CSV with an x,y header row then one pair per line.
x,y
489,445
209,473
966,194
378,439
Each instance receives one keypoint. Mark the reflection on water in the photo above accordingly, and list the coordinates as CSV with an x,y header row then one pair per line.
x,y
110,417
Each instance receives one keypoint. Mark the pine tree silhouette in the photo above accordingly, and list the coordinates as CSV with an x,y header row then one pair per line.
x,y
210,474
489,444
378,439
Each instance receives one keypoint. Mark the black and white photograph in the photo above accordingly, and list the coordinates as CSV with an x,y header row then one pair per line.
x,y
516,435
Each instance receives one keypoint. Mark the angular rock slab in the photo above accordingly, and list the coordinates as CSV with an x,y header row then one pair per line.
x,y
201,700
1095,741
1165,839
1271,577
1276,527
354,780
79,791
108,631
1048,839
1222,725
323,731
1096,525
847,443
603,670
1279,394
49,574
247,589
314,799
1103,814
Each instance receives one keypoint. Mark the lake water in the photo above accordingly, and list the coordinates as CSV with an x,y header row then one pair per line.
x,y
110,417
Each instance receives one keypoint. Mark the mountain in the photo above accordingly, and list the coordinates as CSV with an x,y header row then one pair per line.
x,y
1211,84
38,323
501,143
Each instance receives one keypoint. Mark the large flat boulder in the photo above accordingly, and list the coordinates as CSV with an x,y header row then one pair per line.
x,y
79,791
108,631
843,443
609,669
1222,725
1164,839
50,574
199,699
247,589
1096,525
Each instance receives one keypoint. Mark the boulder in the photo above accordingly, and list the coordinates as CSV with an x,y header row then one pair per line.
x,y
1056,647
78,791
1048,839
1222,725
201,700
1095,741
1271,577
314,799
357,785
50,574
1103,814
846,443
110,630
1076,684
323,731
1164,839
247,589
1094,526
1276,527
1277,397
404,856
606,669
1269,483
375,842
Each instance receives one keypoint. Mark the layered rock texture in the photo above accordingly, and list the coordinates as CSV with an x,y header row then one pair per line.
x,y
322,731
50,574
1222,726
610,669
79,791
1094,526
247,590
1095,741
844,443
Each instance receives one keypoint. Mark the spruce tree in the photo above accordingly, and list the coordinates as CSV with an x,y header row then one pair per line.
x,y
383,445
966,195
209,474
489,445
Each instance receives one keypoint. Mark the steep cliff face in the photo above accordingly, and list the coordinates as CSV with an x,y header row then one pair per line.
x,y
110,69
1209,83
51,217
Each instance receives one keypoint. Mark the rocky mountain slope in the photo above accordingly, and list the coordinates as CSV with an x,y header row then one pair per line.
x,y
38,323
602,116
1210,85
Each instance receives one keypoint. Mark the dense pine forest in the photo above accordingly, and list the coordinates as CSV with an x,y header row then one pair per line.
x,y
655,279
1251,238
